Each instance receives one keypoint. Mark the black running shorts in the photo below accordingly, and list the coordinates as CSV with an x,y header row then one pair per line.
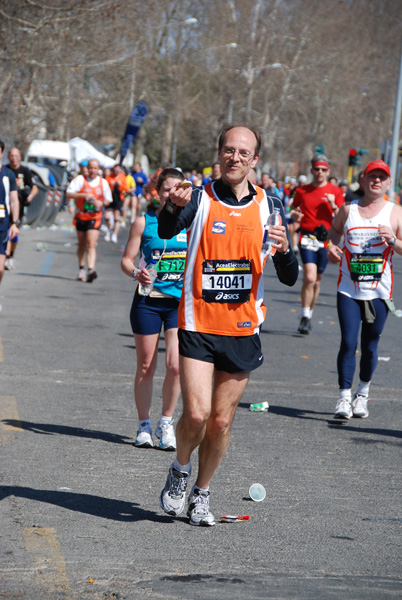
x,y
232,354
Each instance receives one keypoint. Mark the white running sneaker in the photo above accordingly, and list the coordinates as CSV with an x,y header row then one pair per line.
x,y
173,495
343,410
144,436
9,264
107,236
359,406
82,275
114,238
198,509
165,433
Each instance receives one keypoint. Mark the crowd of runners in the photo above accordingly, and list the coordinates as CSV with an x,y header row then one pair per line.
x,y
197,247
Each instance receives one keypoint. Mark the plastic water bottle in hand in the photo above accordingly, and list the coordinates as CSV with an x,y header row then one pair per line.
x,y
273,219
153,274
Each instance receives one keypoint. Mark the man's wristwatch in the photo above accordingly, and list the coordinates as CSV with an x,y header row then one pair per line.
x,y
15,223
170,207
393,241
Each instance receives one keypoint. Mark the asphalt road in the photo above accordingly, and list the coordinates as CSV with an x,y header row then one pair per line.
x,y
79,509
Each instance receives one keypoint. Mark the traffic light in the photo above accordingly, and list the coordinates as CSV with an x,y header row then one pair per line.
x,y
353,158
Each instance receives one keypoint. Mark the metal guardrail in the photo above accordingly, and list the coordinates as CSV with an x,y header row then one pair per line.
x,y
44,208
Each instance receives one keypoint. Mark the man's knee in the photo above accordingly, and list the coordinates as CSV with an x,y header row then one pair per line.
x,y
195,419
219,424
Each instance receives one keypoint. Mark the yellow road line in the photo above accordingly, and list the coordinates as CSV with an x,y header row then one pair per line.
x,y
50,564
8,412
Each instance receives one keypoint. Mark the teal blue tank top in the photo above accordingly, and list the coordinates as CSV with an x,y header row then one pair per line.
x,y
170,256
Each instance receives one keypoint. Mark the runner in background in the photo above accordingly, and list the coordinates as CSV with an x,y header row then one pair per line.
x,y
9,209
371,229
140,179
314,207
87,196
27,190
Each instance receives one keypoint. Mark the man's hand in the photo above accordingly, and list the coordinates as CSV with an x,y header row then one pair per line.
x,y
181,194
334,253
13,231
278,233
331,201
296,215
386,233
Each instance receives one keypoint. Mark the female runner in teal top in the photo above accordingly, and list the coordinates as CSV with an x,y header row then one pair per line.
x,y
150,312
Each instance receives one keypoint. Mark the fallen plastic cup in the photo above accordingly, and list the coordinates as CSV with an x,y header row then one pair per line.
x,y
257,492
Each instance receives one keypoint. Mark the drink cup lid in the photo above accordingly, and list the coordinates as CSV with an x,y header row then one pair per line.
x,y
257,492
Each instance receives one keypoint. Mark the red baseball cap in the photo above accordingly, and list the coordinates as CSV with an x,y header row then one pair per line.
x,y
380,165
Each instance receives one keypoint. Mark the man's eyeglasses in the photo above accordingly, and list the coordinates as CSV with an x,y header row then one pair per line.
x,y
323,169
244,155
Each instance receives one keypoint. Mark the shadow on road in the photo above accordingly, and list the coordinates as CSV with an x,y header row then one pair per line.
x,y
296,413
371,431
51,429
97,506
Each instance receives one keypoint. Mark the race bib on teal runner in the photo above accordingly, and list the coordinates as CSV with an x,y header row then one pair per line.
x,y
170,264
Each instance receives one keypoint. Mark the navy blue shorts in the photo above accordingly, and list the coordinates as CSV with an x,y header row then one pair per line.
x,y
319,258
147,314
3,241
232,354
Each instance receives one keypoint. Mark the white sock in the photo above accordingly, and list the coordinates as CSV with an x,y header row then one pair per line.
x,y
311,313
164,419
363,388
345,394
306,312
197,487
183,468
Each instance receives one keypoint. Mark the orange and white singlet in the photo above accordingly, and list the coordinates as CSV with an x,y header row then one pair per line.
x,y
366,265
223,288
85,211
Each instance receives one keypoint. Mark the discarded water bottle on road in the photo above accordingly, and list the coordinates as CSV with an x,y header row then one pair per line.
x,y
273,219
152,272
259,407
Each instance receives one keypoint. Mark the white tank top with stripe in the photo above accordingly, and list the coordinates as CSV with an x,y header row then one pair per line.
x,y
366,265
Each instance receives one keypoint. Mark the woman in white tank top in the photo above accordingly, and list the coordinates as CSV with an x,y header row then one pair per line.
x,y
371,228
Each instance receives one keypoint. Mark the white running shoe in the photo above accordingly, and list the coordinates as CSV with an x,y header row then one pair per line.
x,y
9,264
198,509
359,406
144,436
114,238
165,433
343,410
82,275
107,236
173,495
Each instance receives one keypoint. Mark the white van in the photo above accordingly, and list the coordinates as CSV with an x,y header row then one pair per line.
x,y
54,155
49,153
